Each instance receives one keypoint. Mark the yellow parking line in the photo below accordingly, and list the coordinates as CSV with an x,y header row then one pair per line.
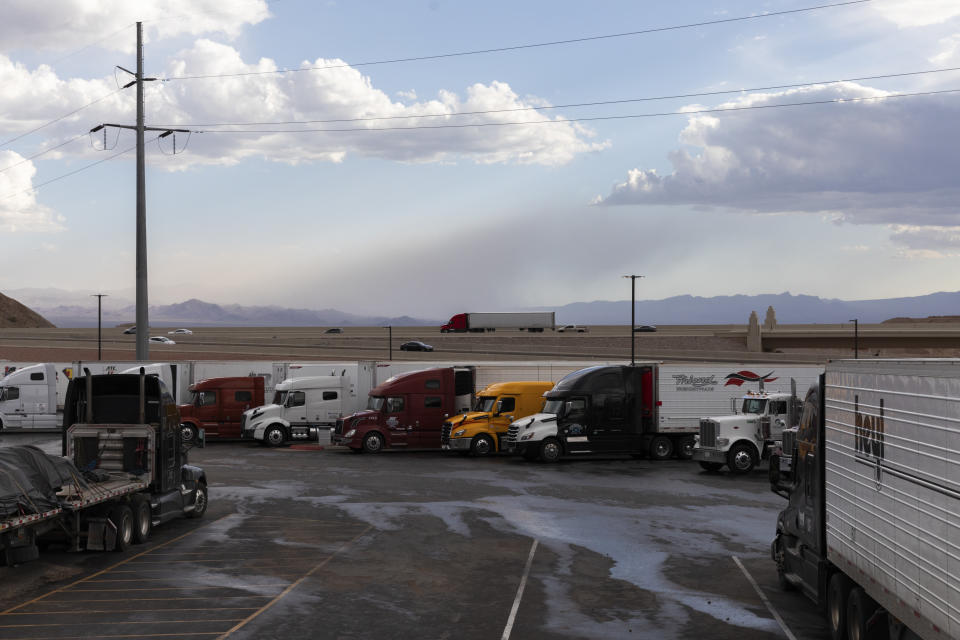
x,y
139,635
72,600
51,612
181,588
101,622
293,586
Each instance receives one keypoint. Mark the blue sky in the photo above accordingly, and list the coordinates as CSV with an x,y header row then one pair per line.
x,y
853,200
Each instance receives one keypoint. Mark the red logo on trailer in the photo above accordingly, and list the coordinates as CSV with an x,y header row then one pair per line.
x,y
740,377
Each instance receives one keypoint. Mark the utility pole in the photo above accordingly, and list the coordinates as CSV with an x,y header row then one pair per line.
x,y
143,322
633,317
99,297
390,341
856,338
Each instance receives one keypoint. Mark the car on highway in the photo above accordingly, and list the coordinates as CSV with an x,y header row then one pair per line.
x,y
161,340
645,328
334,330
415,345
180,332
129,330
572,328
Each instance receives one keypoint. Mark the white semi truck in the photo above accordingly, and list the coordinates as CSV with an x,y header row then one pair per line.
x,y
28,398
872,476
300,408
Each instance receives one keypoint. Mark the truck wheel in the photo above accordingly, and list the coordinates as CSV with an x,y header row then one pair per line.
x,y
142,518
837,591
661,448
550,450
373,442
482,446
685,448
188,433
742,458
712,467
274,436
200,501
860,610
122,518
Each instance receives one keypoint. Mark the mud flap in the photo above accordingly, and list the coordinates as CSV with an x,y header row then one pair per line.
x,y
101,534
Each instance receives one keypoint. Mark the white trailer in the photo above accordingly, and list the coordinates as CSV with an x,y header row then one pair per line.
x,y
872,530
491,321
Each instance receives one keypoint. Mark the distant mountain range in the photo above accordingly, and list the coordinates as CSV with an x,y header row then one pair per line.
x,y
76,309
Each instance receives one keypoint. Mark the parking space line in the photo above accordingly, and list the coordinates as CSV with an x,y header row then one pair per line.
x,y
523,585
52,612
766,602
294,585
170,588
74,623
145,599
139,635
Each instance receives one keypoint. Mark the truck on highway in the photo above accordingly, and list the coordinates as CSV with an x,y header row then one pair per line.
x,y
408,410
872,479
217,406
300,408
661,408
535,321
123,470
483,431
28,398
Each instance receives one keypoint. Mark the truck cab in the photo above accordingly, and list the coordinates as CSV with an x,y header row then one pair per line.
x,y
28,398
407,411
742,440
483,431
217,405
300,407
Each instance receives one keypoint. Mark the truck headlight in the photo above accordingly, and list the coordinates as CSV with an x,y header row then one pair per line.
x,y
350,434
526,436
459,432
722,442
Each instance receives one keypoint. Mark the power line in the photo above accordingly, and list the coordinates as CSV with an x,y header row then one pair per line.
x,y
42,153
66,115
571,105
91,44
591,118
526,46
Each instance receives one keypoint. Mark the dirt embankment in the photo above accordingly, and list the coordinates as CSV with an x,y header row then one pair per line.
x,y
14,314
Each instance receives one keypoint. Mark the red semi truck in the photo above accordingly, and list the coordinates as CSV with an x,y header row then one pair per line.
x,y
407,411
535,321
217,405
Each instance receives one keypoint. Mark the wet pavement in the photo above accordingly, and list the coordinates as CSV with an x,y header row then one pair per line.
x,y
331,544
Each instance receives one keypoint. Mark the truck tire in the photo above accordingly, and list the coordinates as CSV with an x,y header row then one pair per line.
x,y
661,448
712,467
373,442
200,501
274,436
837,590
860,610
550,450
142,518
121,516
188,433
742,458
482,446
685,447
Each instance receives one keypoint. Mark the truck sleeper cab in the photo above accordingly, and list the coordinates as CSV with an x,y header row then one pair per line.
x,y
407,411
300,408
28,398
217,406
483,431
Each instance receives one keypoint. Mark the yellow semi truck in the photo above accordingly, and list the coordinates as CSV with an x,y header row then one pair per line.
x,y
482,431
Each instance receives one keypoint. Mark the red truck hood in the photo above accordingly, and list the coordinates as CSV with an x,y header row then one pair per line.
x,y
367,416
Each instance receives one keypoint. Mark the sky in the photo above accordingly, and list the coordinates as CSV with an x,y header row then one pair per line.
x,y
786,164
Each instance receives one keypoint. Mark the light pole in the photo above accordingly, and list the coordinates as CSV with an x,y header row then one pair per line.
x,y
99,297
856,337
633,316
389,329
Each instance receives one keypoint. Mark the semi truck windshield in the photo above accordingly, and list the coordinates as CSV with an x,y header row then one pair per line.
x,y
375,403
552,406
485,403
754,405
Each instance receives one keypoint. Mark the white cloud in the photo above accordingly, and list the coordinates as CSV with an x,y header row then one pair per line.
x,y
949,54
19,210
917,13
68,24
873,162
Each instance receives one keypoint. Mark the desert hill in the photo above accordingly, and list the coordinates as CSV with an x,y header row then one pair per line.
x,y
15,315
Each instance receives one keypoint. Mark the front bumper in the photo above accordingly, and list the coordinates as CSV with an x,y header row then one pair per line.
x,y
709,455
457,444
337,439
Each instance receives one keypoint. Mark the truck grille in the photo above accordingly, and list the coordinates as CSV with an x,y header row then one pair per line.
x,y
243,422
708,433
445,433
789,441
512,432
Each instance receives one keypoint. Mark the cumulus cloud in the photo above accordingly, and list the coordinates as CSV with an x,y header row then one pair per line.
x,y
344,94
19,210
911,13
949,54
67,24
872,162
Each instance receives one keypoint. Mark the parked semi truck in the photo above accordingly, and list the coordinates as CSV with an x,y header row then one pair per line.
x,y
872,476
535,321
408,410
123,471
742,440
217,406
683,394
28,398
483,431
300,408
